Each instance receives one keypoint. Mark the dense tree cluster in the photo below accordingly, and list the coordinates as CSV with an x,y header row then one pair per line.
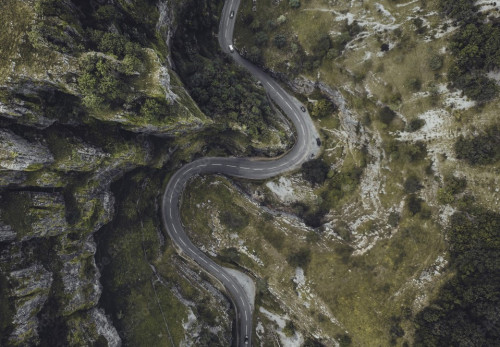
x,y
467,311
406,151
476,49
452,186
224,91
104,81
100,82
480,150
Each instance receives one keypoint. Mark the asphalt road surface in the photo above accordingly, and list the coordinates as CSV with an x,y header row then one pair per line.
x,y
304,149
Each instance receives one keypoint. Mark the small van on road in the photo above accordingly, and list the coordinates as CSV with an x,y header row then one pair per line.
x,y
231,48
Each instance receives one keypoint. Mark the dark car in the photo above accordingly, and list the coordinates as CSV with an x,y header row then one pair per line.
x,y
302,108
231,15
318,141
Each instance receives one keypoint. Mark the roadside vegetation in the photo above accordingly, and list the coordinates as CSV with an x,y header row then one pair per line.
x,y
224,91
418,140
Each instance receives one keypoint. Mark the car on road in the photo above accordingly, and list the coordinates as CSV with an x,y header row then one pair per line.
x,y
246,339
231,48
231,15
318,141
302,108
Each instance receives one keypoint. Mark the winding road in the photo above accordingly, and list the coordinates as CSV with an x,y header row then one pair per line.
x,y
304,149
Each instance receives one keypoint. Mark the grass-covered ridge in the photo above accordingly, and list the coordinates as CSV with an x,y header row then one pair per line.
x,y
341,291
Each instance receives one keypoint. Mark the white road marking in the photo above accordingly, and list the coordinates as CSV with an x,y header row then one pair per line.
x,y
177,187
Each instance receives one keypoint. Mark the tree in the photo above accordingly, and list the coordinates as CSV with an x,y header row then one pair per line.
x,y
322,108
414,204
412,184
294,3
315,171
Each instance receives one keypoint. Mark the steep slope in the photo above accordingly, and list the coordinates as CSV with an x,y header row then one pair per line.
x,y
90,110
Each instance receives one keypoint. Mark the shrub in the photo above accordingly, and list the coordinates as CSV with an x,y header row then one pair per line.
x,y
294,3
322,46
453,185
393,220
414,84
412,184
323,108
281,19
415,124
255,25
154,109
480,150
234,221
289,329
414,204
344,340
230,255
436,62
386,115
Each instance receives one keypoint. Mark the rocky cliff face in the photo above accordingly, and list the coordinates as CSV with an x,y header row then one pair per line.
x,y
59,154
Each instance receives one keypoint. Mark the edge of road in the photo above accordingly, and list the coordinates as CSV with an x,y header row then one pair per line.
x,y
304,148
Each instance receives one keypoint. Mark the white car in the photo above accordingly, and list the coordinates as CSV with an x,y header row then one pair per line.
x,y
231,48
231,15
